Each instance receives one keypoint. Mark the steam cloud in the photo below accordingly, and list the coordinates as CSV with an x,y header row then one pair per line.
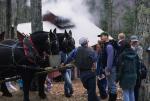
x,y
90,9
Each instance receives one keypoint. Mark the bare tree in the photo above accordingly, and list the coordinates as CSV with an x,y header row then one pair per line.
x,y
22,13
8,19
2,15
14,18
36,15
143,30
107,16
5,17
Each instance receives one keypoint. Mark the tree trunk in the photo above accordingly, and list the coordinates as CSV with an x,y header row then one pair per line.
x,y
8,19
22,13
107,17
143,30
36,15
14,19
2,16
110,17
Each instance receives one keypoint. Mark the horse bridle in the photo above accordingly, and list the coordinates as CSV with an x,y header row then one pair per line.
x,y
51,42
54,41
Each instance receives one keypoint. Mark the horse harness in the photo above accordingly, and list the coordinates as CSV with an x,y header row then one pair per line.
x,y
27,45
30,50
13,47
14,63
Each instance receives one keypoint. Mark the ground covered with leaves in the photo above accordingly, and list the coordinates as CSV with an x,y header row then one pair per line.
x,y
56,94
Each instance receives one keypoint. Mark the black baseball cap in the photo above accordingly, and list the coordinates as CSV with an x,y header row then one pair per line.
x,y
103,33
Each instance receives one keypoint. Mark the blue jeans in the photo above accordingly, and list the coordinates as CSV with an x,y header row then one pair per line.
x,y
128,95
88,79
20,82
112,88
102,85
68,83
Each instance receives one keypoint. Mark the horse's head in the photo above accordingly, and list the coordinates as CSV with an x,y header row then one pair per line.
x,y
68,35
65,41
54,43
41,42
68,42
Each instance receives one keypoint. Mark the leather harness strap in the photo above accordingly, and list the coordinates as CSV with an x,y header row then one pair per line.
x,y
25,48
29,49
12,50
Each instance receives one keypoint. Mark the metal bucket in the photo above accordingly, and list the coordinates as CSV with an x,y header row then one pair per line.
x,y
54,60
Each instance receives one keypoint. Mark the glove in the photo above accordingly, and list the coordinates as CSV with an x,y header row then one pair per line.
x,y
100,77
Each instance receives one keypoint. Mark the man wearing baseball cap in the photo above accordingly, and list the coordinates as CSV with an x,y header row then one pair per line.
x,y
135,45
108,68
85,59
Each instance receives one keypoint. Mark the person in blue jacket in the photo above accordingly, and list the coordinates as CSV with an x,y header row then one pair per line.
x,y
101,78
108,64
85,60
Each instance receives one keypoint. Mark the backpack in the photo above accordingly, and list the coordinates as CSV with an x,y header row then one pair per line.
x,y
128,70
115,45
129,63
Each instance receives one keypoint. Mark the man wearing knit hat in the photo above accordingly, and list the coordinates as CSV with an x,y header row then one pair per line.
x,y
85,59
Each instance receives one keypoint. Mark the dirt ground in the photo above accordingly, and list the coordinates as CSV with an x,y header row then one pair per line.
x,y
56,94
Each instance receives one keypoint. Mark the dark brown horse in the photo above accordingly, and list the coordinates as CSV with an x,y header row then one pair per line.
x,y
58,42
13,60
66,44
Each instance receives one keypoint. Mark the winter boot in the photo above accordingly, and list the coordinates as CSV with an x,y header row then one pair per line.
x,y
112,97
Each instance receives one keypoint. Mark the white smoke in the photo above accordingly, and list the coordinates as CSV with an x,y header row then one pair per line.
x,y
66,8
78,12
69,8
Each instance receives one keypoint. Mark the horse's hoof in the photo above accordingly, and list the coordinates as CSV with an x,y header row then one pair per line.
x,y
43,96
68,95
71,92
33,89
26,100
7,94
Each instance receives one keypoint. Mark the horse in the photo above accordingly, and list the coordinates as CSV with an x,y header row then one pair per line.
x,y
65,42
13,60
58,42
39,81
